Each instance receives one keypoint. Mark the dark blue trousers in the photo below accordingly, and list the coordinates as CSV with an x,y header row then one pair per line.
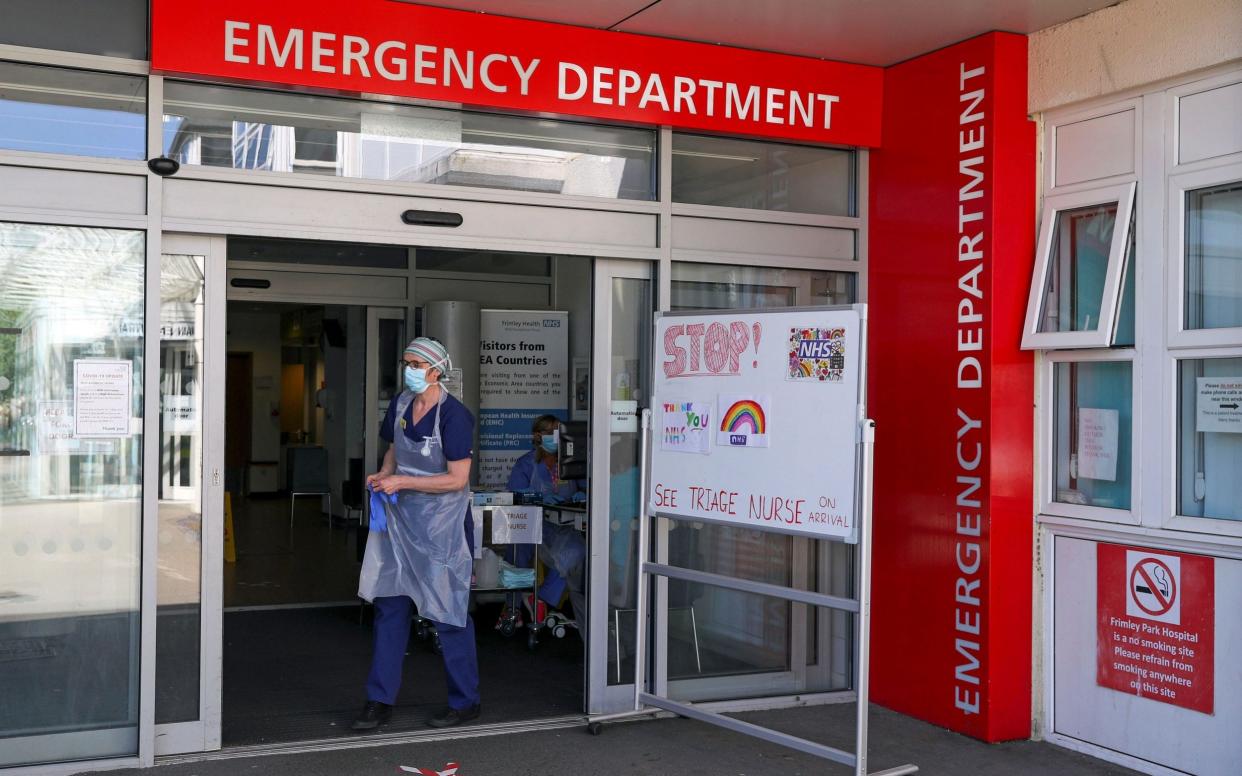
x,y
392,634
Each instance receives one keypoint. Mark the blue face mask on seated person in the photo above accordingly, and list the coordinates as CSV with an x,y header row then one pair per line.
x,y
549,442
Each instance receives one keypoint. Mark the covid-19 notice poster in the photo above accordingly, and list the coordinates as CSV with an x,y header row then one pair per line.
x,y
523,373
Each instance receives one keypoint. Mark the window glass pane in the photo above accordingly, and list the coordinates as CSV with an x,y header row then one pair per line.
x,y
282,132
1209,438
1124,334
727,286
318,252
110,28
56,110
71,344
1074,288
1091,435
178,584
766,176
1214,257
720,635
484,262
631,355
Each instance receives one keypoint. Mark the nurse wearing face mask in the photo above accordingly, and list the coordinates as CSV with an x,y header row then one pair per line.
x,y
563,547
422,555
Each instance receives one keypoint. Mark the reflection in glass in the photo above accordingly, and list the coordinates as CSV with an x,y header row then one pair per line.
x,y
280,132
1214,257
1209,438
727,286
56,110
732,172
1091,433
1077,266
70,506
631,351
180,552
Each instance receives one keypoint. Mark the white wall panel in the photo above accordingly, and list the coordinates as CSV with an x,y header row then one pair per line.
x,y
1096,148
323,214
35,189
1210,124
1203,744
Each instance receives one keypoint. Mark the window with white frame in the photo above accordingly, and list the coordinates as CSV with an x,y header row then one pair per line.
x,y
1081,270
1205,316
1151,391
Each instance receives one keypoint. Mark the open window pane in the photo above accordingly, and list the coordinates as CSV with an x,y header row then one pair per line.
x,y
1213,256
1086,247
1091,433
1209,438
1074,288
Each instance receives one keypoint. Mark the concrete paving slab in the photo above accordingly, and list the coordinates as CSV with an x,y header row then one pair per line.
x,y
660,747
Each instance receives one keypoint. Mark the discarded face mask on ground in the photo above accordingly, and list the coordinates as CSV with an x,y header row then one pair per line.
x,y
450,769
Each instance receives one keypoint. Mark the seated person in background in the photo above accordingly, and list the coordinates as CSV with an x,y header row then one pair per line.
x,y
563,549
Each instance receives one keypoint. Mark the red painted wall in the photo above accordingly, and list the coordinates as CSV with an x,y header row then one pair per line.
x,y
950,260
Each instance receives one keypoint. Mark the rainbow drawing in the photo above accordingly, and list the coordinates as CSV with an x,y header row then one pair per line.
x,y
745,416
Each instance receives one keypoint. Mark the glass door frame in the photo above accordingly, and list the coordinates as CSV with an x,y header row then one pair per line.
x,y
602,697
203,734
374,413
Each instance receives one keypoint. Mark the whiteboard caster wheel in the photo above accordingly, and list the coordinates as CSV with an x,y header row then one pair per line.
x,y
435,644
595,728
507,628
420,632
532,640
559,631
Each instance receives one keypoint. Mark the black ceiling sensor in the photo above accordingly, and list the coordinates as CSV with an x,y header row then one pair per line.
x,y
431,218
163,166
250,283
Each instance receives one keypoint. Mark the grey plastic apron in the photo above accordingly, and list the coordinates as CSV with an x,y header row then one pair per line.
x,y
423,553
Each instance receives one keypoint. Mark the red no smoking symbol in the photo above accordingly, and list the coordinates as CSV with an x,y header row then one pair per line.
x,y
1151,579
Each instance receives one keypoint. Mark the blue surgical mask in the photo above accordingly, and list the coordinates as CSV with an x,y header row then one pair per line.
x,y
549,442
416,379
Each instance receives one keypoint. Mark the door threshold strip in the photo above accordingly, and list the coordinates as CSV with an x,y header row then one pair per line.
x,y
364,741
278,607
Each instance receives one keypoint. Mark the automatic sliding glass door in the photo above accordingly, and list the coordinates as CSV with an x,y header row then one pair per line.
x,y
191,519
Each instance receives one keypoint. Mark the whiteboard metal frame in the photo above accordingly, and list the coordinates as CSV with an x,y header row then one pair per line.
x,y
647,703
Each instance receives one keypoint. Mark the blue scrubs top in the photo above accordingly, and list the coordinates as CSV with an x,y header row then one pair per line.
x,y
530,476
456,434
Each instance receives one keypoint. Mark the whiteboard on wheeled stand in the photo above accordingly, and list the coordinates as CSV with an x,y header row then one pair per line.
x,y
756,417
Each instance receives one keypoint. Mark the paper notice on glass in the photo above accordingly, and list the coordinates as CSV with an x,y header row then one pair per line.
x,y
1097,444
56,428
1218,405
102,397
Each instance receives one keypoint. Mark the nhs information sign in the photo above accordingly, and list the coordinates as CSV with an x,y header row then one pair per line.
x,y
756,419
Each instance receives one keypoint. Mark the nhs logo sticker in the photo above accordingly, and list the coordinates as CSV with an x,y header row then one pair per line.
x,y
816,355
551,323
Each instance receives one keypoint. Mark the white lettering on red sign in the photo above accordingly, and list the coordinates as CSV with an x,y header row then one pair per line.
x,y
397,60
970,453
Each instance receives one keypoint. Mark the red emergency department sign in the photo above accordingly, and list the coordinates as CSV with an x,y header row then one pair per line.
x,y
457,57
1156,628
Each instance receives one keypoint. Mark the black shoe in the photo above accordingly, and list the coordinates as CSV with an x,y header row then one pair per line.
x,y
372,716
451,717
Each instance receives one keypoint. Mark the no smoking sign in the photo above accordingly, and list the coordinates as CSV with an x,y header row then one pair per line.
x,y
1153,583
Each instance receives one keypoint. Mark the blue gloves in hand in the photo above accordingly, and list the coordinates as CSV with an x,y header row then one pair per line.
x,y
379,514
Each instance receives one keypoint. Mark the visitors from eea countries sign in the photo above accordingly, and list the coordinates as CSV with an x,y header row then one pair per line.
x,y
756,419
